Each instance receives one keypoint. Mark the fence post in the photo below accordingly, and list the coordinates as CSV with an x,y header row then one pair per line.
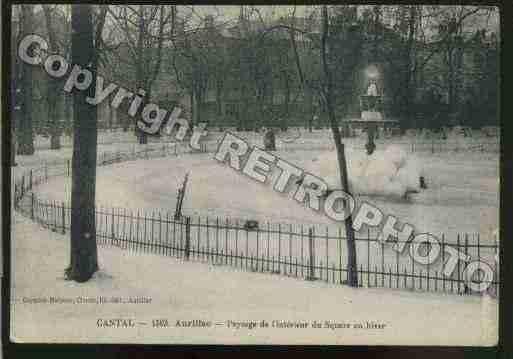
x,y
459,271
63,213
187,237
311,276
466,288
32,204
30,178
112,231
68,166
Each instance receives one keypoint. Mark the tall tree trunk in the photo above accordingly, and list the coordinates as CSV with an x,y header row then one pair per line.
x,y
25,131
196,98
283,123
68,114
308,97
310,111
84,258
13,114
53,94
409,89
139,75
220,114
352,274
111,117
55,113
15,97
450,82
458,78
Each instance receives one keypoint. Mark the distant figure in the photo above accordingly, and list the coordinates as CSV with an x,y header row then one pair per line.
x,y
443,133
269,140
370,146
422,182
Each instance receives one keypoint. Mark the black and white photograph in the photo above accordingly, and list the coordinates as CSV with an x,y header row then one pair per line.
x,y
254,174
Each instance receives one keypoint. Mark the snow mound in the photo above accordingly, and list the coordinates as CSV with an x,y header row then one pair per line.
x,y
389,172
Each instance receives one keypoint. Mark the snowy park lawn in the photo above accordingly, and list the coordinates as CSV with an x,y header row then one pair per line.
x,y
462,198
463,193
187,290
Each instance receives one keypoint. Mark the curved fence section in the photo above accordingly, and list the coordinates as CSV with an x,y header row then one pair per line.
x,y
296,139
300,251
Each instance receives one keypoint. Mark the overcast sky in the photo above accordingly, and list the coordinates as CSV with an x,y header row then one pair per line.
x,y
228,13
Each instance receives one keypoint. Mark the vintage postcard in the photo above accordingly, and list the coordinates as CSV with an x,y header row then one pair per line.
x,y
185,174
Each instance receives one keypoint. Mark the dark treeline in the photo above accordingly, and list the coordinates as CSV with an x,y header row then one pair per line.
x,y
438,64
435,66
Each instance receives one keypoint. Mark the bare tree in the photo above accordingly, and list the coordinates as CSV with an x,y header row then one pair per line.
x,y
447,43
84,257
144,29
408,57
54,96
328,92
451,31
305,87
201,61
323,83
25,130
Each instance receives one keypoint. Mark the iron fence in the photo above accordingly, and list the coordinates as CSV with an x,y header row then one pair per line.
x,y
300,251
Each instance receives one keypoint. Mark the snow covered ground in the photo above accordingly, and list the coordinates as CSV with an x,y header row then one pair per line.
x,y
463,193
194,291
462,197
